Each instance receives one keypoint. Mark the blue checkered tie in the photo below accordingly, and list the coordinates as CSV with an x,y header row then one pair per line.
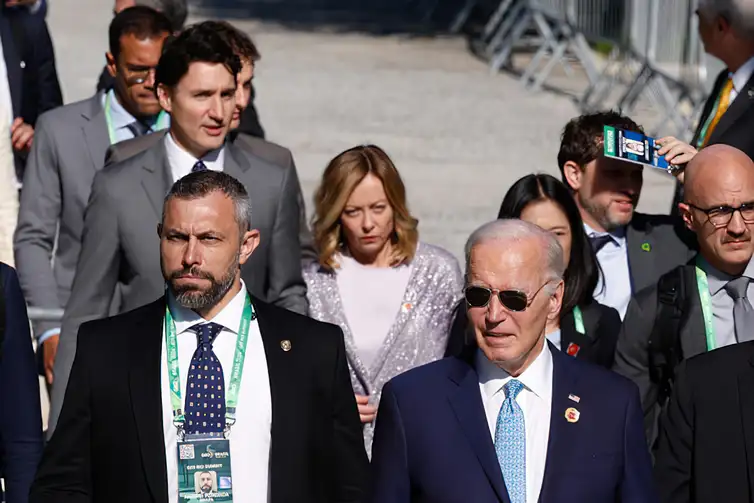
x,y
510,443
199,166
205,391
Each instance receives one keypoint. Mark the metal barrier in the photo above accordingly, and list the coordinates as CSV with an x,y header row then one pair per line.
x,y
655,54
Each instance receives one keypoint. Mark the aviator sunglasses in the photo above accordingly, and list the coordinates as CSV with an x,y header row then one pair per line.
x,y
514,300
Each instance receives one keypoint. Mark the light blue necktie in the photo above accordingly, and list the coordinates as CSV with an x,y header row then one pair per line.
x,y
510,443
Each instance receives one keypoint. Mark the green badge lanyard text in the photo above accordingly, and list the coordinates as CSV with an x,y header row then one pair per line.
x,y
162,120
706,300
578,320
231,397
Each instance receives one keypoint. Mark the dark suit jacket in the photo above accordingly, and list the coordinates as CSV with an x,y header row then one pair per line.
x,y
109,443
706,445
656,244
632,353
249,118
432,442
601,323
271,152
20,415
735,125
32,77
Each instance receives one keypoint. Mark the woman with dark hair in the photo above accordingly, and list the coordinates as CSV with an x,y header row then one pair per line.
x,y
586,329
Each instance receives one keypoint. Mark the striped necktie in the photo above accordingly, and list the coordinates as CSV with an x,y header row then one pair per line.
x,y
723,101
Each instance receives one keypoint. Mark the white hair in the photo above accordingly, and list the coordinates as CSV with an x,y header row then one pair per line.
x,y
514,230
739,13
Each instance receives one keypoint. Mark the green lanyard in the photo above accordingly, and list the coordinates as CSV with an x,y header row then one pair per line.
x,y
162,120
235,377
578,320
706,300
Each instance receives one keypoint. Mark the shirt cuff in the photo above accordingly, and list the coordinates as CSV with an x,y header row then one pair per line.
x,y
49,333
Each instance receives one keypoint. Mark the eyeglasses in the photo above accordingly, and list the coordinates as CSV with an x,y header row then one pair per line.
x,y
720,216
515,300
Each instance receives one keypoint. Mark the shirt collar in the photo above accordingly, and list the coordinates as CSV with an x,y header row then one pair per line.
x,y
229,317
119,116
618,235
537,378
717,279
741,76
180,158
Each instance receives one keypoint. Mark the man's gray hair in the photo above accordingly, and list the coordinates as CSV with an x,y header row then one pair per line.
x,y
514,230
175,10
739,13
203,183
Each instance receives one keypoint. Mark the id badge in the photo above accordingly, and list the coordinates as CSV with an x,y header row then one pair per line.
x,y
204,470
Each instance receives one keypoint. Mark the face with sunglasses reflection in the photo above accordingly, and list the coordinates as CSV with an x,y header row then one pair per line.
x,y
508,336
719,206
133,69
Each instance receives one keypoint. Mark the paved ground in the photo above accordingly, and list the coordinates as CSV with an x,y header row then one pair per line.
x,y
459,135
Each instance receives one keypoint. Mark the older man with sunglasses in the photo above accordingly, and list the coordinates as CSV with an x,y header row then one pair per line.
x,y
513,419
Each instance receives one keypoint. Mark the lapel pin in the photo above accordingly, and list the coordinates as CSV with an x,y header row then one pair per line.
x,y
406,307
574,398
751,93
285,345
572,415
573,349
646,247
23,65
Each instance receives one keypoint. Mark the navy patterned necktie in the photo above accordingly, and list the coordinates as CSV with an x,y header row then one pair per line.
x,y
205,386
138,129
199,166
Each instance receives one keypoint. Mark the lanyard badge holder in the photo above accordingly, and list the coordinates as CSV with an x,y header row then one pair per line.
x,y
204,465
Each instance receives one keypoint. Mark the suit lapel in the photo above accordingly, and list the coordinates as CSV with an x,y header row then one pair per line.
x,y
95,132
640,258
12,63
235,163
561,441
156,177
743,101
708,105
466,400
146,399
746,402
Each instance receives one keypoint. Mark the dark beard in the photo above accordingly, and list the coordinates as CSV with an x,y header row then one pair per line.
x,y
199,300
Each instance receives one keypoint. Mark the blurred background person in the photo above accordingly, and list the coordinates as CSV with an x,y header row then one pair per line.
x,y
586,329
392,295
8,194
20,415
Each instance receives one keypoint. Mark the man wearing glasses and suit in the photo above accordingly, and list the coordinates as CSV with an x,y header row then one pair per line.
x,y
513,419
69,149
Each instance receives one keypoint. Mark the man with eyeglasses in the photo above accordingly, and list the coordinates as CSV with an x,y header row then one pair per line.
x,y
511,419
69,149
707,303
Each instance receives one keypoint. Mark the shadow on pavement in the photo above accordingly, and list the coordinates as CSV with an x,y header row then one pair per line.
x,y
374,17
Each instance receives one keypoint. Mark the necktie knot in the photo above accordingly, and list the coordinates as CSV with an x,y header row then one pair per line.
x,y
206,333
598,242
736,288
199,166
512,388
138,128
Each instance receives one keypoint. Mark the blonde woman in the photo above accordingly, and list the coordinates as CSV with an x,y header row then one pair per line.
x,y
392,295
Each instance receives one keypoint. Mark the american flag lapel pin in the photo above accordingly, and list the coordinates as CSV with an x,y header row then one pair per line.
x,y
574,398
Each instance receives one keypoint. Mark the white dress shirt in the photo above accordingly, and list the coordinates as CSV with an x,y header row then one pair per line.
x,y
181,162
740,77
614,285
121,118
535,401
6,102
250,436
555,337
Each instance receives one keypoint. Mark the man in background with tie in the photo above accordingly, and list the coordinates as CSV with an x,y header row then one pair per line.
x,y
633,249
196,84
707,303
512,419
69,148
727,32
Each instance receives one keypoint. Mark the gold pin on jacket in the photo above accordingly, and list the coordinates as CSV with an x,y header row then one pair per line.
x,y
572,415
285,345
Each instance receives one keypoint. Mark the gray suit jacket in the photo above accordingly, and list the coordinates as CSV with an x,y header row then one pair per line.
x,y
69,148
120,246
271,152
